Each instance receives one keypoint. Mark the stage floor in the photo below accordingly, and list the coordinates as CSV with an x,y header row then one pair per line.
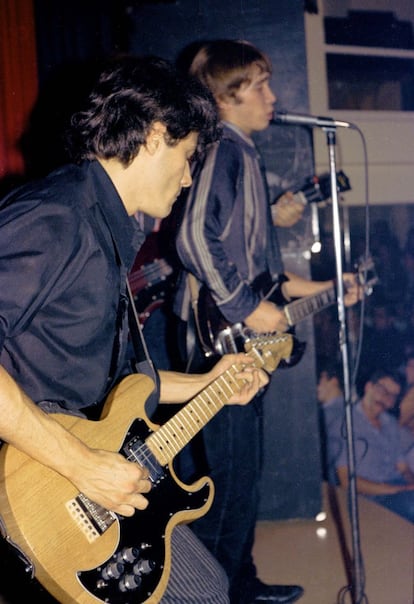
x,y
318,554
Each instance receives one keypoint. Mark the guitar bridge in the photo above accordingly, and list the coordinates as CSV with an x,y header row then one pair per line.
x,y
92,519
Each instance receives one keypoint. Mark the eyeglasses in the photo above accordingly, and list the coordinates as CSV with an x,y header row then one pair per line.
x,y
386,392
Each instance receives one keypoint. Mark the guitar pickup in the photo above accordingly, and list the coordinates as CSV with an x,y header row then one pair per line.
x,y
137,450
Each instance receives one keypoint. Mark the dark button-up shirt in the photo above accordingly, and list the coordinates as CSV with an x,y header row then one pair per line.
x,y
66,244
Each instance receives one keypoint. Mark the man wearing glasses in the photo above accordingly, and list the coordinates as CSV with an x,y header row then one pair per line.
x,y
381,448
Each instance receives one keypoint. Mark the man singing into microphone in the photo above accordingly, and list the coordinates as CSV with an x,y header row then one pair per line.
x,y
227,239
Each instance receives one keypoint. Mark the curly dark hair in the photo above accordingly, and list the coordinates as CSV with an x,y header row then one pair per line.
x,y
131,93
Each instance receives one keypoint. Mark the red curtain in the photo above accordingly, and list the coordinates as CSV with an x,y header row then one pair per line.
x,y
18,80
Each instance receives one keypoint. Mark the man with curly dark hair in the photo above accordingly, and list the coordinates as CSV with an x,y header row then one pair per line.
x,y
67,243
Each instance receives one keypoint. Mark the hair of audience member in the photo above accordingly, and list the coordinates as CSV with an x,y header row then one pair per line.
x,y
332,369
379,373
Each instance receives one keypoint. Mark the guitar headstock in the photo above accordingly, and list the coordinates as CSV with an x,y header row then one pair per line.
x,y
269,349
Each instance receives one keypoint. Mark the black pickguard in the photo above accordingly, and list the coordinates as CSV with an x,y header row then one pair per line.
x,y
146,532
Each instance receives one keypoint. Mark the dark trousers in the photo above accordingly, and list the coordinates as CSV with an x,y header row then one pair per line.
x,y
229,449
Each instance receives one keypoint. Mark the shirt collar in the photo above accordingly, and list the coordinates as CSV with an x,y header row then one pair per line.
x,y
234,132
125,231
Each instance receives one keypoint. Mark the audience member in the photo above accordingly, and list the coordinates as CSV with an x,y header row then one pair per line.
x,y
387,256
406,405
408,262
382,446
325,325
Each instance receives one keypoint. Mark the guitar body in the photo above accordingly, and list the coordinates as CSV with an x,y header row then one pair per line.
x,y
40,513
220,336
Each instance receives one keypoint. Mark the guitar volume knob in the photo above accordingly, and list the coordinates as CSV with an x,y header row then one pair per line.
x,y
128,554
129,582
144,567
113,570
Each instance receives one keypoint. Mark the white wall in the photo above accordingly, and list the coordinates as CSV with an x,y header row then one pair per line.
x,y
389,135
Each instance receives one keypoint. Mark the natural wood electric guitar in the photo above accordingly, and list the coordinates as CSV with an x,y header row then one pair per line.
x,y
83,553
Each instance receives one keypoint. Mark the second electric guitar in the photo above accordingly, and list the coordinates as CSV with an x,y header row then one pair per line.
x,y
218,336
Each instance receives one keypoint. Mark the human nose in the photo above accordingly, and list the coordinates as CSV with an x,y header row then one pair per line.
x,y
271,96
186,179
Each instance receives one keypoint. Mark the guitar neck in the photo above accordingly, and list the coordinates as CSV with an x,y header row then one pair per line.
x,y
266,353
170,438
150,274
304,307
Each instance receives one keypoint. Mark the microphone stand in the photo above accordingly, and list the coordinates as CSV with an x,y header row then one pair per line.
x,y
357,575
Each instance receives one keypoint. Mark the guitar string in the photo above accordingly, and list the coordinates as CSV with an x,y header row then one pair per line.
x,y
192,414
168,436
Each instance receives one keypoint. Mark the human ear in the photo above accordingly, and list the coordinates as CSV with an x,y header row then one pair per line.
x,y
155,136
224,102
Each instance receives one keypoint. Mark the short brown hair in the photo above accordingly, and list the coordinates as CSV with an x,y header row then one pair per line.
x,y
225,65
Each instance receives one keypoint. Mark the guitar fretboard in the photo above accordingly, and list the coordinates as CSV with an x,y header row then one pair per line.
x,y
304,307
168,440
266,351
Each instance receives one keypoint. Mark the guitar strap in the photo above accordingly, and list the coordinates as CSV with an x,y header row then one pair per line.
x,y
143,362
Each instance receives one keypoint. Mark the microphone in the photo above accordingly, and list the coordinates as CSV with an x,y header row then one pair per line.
x,y
297,119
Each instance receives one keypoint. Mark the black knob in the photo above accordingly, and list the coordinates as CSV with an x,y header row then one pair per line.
x,y
128,554
143,567
129,582
113,570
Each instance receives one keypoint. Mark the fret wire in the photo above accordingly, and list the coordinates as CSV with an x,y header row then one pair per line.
x,y
179,436
170,434
221,389
310,304
227,383
233,380
164,438
164,450
207,404
196,414
184,416
216,394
